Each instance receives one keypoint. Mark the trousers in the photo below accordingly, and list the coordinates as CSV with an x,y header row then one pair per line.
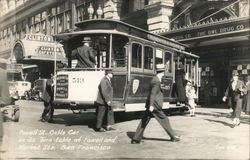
x,y
105,115
160,117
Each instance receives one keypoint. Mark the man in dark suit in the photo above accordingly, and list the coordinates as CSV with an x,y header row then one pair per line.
x,y
85,54
47,98
234,93
154,107
103,103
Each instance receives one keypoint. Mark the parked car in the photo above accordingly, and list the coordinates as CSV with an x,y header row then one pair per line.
x,y
36,92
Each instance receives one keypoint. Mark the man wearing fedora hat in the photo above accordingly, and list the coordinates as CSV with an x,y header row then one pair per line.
x,y
85,54
105,114
234,93
153,106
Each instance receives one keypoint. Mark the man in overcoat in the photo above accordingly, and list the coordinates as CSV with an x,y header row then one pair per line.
x,y
154,107
85,54
47,98
105,114
234,93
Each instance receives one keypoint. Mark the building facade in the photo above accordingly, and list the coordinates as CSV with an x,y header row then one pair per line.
x,y
216,30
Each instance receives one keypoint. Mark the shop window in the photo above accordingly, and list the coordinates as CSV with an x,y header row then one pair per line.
x,y
167,61
158,57
136,55
148,57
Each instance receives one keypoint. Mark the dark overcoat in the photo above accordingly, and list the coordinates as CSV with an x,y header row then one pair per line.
x,y
85,56
105,93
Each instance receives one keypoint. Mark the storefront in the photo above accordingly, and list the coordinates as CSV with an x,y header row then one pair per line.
x,y
223,47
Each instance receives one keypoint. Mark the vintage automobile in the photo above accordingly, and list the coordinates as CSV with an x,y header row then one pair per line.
x,y
16,83
36,92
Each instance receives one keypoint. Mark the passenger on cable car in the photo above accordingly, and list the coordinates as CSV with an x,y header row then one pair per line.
x,y
180,84
85,54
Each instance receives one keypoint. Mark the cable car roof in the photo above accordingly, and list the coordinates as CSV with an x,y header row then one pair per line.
x,y
109,26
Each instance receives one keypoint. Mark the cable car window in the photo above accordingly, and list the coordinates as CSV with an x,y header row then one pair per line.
x,y
136,55
119,53
158,57
168,62
148,57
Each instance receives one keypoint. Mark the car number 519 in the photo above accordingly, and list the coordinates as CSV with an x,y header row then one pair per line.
x,y
77,80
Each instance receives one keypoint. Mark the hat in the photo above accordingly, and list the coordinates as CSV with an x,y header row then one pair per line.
x,y
110,70
160,68
235,73
86,39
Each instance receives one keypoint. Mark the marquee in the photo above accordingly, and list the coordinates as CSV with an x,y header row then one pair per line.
x,y
38,47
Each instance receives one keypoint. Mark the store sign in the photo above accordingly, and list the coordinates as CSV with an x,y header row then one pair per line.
x,y
49,51
210,29
38,37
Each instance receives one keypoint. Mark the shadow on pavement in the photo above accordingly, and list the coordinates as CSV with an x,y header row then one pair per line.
x,y
70,119
244,120
222,122
131,135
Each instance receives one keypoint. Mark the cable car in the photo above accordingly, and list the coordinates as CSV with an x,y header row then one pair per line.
x,y
132,53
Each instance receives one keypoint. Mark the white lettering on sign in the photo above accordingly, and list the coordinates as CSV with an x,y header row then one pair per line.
x,y
47,50
41,38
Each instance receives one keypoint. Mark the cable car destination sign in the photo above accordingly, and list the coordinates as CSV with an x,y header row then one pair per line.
x,y
38,47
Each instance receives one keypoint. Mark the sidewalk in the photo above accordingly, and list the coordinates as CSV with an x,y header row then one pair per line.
x,y
220,111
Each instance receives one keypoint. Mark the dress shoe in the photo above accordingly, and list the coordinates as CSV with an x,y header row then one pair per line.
x,y
135,141
175,139
110,129
100,130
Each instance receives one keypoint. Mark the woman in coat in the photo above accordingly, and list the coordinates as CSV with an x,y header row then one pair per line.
x,y
234,93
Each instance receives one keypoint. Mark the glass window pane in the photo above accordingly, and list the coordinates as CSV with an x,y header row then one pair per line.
x,y
136,55
158,57
148,57
119,55
168,62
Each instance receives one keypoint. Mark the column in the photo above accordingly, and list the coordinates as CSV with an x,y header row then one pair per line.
x,y
159,12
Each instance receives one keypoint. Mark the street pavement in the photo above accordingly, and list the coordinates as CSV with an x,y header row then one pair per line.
x,y
207,136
